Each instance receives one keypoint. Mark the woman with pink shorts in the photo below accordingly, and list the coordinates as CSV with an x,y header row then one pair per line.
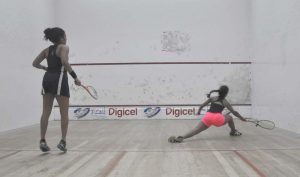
x,y
213,116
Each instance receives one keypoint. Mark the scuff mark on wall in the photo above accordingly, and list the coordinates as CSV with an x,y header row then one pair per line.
x,y
175,42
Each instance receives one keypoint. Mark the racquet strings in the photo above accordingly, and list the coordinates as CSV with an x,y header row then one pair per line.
x,y
266,124
92,91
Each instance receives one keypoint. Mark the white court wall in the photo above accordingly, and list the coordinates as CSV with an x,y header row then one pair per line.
x,y
118,31
156,30
101,31
21,39
160,84
139,87
276,81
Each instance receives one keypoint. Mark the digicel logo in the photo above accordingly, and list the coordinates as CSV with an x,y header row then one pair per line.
x,y
180,111
121,112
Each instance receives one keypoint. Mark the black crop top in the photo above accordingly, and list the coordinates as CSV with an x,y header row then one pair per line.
x,y
216,105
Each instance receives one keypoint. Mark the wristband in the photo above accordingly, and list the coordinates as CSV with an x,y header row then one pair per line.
x,y
73,74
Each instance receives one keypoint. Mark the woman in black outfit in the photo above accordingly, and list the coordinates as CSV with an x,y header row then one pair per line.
x,y
55,82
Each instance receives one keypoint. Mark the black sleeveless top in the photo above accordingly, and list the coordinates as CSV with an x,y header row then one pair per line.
x,y
216,105
53,61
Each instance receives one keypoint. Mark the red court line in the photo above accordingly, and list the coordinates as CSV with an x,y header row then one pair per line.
x,y
10,154
158,63
248,162
111,164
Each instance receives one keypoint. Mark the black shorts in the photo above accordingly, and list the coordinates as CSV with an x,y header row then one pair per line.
x,y
56,83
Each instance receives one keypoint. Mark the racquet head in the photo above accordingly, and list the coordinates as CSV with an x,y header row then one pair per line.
x,y
92,91
266,124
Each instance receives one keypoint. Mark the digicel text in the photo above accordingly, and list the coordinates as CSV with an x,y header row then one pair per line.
x,y
180,111
122,112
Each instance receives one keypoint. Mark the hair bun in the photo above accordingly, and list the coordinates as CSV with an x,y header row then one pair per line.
x,y
54,34
47,33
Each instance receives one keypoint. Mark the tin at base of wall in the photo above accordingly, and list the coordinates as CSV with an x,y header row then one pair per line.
x,y
139,112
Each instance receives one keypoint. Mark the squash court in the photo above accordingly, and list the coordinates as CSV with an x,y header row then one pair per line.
x,y
105,83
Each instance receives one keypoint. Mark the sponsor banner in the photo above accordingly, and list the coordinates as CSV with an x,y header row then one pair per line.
x,y
87,113
140,112
181,112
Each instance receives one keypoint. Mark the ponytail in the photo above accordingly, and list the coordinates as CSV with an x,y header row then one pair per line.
x,y
208,95
223,90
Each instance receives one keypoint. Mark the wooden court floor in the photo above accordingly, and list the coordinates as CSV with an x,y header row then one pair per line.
x,y
139,148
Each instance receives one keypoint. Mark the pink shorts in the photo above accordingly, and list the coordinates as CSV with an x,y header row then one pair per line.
x,y
216,119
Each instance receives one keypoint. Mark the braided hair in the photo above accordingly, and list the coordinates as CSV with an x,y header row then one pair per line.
x,y
222,91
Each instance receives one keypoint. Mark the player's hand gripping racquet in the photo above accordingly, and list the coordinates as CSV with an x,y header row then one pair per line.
x,y
91,90
266,124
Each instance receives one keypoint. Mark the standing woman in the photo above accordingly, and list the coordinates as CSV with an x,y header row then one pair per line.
x,y
55,83
213,116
